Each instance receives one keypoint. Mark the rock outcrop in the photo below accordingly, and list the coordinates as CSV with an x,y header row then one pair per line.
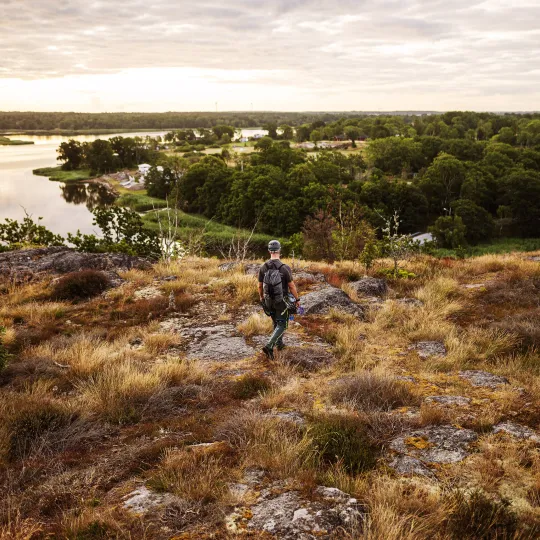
x,y
459,401
288,515
216,343
369,286
483,378
325,298
517,430
26,264
426,349
435,444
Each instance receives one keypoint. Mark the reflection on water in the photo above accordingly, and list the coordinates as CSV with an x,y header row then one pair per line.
x,y
92,195
64,208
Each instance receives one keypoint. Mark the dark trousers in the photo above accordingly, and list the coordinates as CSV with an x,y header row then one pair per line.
x,y
280,320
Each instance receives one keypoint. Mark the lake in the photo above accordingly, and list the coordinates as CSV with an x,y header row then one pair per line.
x,y
64,207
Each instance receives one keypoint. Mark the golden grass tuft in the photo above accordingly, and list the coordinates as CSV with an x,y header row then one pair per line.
x,y
269,443
85,354
32,313
256,324
121,391
402,509
159,343
194,474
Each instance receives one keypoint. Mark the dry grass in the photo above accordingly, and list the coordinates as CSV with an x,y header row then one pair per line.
x,y
476,345
121,391
401,509
269,443
32,313
196,473
159,343
367,391
85,354
237,289
255,324
46,410
29,422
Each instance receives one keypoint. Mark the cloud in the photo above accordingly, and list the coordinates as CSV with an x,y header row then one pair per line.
x,y
488,48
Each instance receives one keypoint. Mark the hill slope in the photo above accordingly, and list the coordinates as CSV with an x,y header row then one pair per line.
x,y
146,411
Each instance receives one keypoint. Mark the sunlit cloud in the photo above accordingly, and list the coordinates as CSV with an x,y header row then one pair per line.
x,y
284,54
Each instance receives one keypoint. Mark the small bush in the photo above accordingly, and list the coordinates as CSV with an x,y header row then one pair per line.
x,y
250,386
343,439
195,474
4,355
80,285
255,324
370,392
26,426
478,517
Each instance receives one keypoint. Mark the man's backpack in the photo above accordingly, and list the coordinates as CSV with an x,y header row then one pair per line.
x,y
272,285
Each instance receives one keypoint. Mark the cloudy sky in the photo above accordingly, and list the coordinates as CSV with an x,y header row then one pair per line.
x,y
159,55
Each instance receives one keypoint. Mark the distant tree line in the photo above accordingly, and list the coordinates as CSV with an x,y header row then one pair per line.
x,y
105,156
169,120
466,176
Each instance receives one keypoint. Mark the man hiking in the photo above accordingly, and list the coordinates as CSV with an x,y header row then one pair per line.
x,y
275,284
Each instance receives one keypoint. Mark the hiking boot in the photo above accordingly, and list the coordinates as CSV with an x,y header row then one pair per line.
x,y
268,352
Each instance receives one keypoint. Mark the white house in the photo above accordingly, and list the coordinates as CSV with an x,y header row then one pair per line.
x,y
422,238
144,168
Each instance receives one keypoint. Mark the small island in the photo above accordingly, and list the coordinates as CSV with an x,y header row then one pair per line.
x,y
5,141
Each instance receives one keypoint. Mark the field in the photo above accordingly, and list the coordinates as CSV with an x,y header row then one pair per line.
x,y
5,141
57,174
148,412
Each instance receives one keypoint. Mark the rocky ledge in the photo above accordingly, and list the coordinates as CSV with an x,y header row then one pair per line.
x,y
26,264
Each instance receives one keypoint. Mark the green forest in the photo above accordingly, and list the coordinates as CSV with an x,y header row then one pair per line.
x,y
468,178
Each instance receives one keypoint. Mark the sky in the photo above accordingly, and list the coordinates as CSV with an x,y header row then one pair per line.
x,y
287,55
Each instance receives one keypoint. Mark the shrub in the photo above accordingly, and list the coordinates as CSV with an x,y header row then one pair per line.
x,y
479,517
4,355
343,439
195,473
80,285
26,423
449,232
250,386
370,392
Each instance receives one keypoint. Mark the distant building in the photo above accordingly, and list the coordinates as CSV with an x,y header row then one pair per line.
x,y
422,238
144,168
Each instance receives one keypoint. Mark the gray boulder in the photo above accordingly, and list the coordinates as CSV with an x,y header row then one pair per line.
x,y
435,444
517,430
290,516
325,298
426,349
410,302
252,269
410,466
309,277
370,286
483,378
217,343
26,264
534,259
460,401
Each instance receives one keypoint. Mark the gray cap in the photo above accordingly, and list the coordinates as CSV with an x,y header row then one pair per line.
x,y
274,246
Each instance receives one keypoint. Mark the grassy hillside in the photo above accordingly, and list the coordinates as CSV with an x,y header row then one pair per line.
x,y
57,174
6,141
155,392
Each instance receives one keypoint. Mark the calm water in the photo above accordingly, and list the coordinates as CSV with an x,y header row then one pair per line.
x,y
64,208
